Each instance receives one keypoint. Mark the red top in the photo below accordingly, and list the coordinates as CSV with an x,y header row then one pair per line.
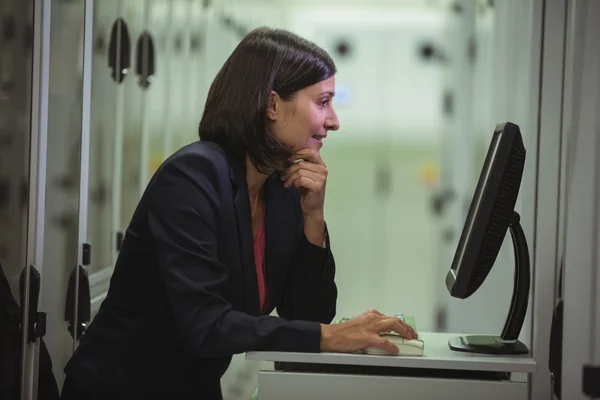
x,y
259,260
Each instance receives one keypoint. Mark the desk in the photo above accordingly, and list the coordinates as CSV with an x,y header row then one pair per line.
x,y
439,374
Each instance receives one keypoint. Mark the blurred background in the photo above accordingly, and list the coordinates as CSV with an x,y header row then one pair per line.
x,y
421,85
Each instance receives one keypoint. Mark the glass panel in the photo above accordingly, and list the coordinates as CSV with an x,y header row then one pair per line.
x,y
16,69
183,115
146,52
15,107
159,98
65,279
110,58
62,171
134,105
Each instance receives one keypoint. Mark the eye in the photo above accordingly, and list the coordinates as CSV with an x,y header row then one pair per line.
x,y
323,103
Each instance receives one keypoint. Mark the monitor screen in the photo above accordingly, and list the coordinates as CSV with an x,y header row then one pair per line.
x,y
490,212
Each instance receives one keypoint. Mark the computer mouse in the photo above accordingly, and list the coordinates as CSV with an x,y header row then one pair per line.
x,y
406,347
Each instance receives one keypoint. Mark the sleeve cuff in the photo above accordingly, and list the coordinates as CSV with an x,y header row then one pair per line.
x,y
314,255
310,340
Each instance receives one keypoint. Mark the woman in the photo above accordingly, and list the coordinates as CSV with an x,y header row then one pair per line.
x,y
228,229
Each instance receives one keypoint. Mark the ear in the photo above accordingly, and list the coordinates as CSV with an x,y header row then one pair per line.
x,y
274,107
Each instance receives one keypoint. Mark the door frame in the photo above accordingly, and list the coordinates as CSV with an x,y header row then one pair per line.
x,y
37,183
581,323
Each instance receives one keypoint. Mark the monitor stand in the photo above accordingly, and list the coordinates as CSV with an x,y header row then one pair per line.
x,y
507,343
487,344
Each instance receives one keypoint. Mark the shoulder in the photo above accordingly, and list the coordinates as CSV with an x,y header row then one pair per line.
x,y
197,170
200,160
198,153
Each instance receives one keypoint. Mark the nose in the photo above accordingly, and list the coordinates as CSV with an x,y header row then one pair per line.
x,y
332,123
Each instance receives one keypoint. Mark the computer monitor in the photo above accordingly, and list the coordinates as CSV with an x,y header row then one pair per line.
x,y
491,214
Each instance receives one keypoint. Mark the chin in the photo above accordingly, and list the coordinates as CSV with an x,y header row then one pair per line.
x,y
315,144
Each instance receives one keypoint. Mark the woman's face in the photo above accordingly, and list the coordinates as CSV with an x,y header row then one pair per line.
x,y
303,121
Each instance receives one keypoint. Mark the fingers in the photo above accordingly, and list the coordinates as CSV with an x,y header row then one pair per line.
x,y
411,334
384,344
391,324
305,179
307,164
414,333
373,311
308,184
316,172
319,168
310,155
394,324
306,175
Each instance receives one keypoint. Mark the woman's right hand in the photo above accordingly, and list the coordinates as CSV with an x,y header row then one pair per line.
x,y
363,331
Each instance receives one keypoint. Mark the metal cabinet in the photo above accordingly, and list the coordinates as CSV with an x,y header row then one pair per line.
x,y
24,67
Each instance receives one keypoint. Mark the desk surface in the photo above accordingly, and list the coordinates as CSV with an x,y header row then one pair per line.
x,y
436,355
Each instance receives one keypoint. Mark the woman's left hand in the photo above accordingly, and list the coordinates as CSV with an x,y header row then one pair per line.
x,y
310,176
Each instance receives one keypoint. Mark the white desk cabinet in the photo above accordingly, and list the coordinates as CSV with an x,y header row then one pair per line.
x,y
439,374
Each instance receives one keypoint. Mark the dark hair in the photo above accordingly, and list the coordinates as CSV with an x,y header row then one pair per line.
x,y
235,114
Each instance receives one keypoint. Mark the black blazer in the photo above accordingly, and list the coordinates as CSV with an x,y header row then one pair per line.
x,y
183,297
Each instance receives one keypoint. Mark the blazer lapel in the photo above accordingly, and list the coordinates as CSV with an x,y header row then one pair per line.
x,y
280,232
241,202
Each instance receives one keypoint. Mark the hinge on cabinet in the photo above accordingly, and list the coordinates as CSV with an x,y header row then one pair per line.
x,y
591,380
120,238
39,325
86,254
